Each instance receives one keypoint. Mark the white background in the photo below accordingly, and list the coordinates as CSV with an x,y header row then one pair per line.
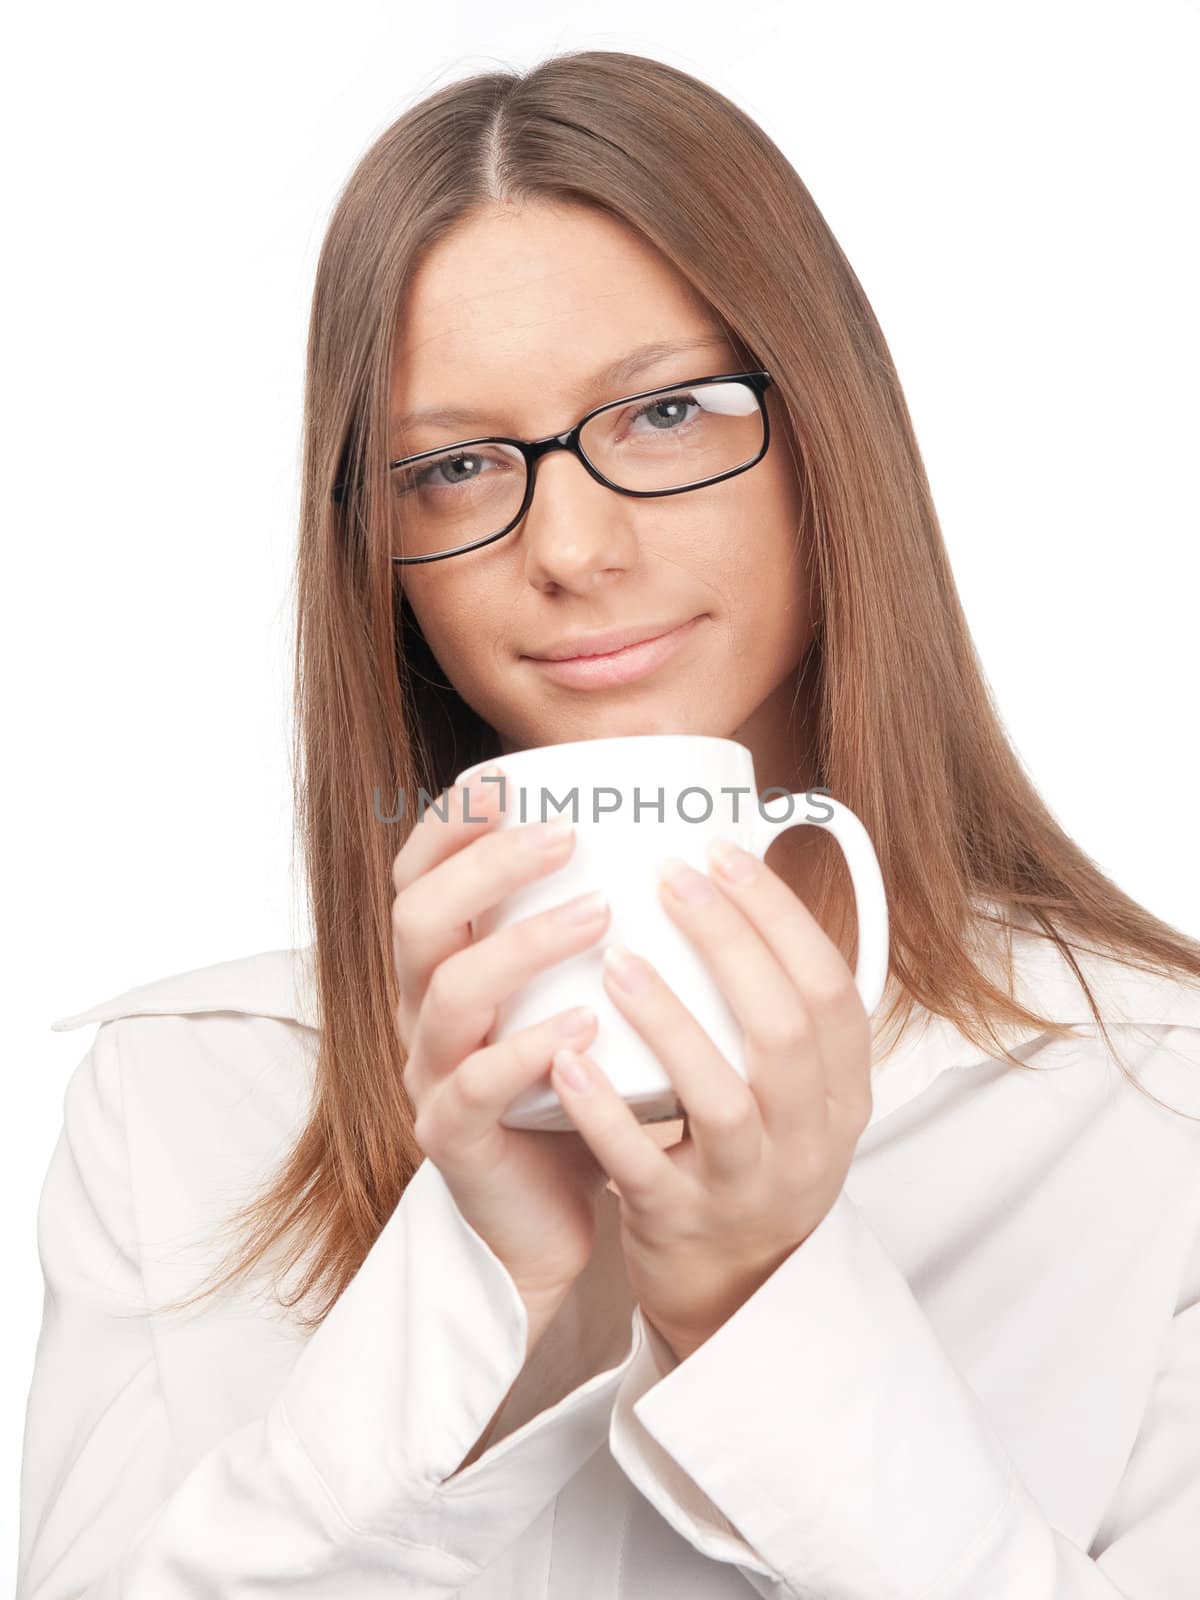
x,y
1015,186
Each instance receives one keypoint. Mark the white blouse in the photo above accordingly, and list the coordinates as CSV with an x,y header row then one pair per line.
x,y
978,1379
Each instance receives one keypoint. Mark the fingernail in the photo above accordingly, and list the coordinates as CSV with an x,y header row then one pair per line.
x,y
573,1022
731,862
570,1068
481,787
587,908
547,835
692,887
626,970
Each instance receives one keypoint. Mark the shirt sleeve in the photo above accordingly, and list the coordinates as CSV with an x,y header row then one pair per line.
x,y
902,1487
343,1485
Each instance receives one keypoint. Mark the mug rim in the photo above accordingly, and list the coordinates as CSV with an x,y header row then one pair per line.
x,y
593,744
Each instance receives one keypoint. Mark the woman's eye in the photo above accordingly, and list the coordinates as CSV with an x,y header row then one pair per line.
x,y
446,473
667,412
454,470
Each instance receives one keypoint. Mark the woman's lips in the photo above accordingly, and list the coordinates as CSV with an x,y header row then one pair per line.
x,y
619,666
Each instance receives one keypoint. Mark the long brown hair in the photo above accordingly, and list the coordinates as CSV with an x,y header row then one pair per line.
x,y
904,730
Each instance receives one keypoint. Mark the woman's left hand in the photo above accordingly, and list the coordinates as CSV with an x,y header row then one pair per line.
x,y
706,1221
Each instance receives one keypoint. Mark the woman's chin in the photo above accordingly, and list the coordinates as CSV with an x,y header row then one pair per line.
x,y
619,719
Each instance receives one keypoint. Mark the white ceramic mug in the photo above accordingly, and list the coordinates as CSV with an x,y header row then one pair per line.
x,y
633,800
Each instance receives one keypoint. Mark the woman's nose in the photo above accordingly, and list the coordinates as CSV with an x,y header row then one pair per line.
x,y
576,529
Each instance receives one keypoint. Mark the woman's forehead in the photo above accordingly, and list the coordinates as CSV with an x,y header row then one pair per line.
x,y
544,287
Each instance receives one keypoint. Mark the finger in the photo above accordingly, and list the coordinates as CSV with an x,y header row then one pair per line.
x,y
448,825
722,1113
783,1064
814,964
431,917
457,816
466,1109
644,1173
464,993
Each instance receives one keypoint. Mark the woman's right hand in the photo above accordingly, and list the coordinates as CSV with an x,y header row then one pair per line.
x,y
530,1194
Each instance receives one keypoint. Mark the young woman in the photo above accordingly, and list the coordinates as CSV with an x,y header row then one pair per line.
x,y
912,1311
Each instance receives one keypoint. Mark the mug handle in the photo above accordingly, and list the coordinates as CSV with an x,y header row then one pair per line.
x,y
870,900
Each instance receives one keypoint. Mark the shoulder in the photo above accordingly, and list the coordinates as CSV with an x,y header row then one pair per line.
x,y
1151,1018
1124,992
1049,980
200,1072
187,1101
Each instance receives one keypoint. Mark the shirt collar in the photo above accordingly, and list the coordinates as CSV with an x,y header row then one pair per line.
x,y
281,983
272,983
1043,982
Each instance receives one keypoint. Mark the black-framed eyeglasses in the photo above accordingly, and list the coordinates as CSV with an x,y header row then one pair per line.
x,y
659,441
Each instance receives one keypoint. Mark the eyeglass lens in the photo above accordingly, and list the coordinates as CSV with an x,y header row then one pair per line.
x,y
664,441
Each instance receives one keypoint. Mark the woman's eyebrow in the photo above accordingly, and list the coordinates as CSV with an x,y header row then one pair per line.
x,y
634,362
621,371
